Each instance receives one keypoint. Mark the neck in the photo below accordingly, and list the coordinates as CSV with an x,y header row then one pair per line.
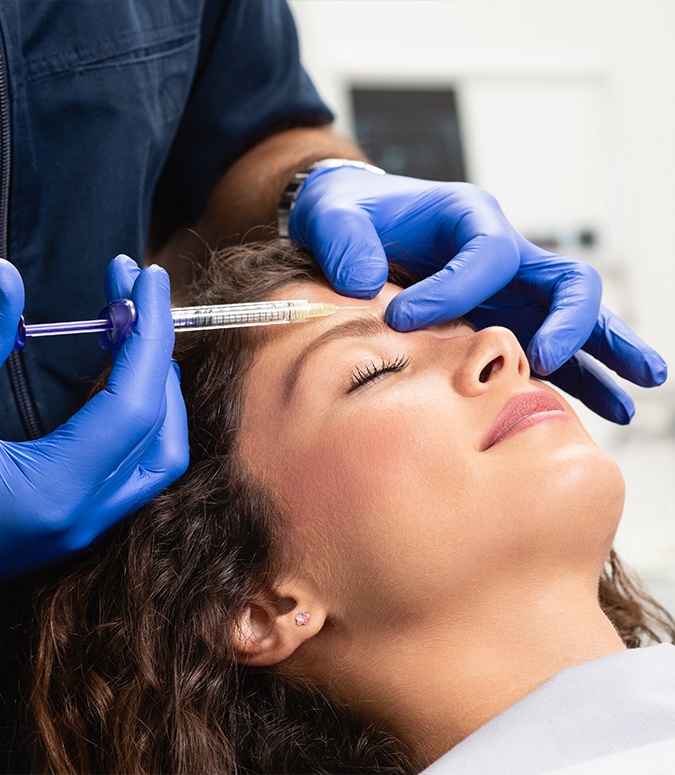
x,y
439,683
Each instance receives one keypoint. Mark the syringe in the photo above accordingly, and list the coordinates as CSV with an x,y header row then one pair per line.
x,y
117,319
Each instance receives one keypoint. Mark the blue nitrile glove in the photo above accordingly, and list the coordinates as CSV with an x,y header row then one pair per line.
x,y
475,264
61,492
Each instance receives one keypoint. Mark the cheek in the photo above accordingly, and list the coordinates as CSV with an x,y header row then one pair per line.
x,y
388,499
375,462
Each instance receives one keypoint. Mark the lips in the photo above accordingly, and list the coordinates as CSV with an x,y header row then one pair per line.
x,y
523,411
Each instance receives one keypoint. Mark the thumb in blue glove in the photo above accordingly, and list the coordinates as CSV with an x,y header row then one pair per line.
x,y
61,492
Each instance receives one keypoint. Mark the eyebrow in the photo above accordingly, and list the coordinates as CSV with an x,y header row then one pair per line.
x,y
367,325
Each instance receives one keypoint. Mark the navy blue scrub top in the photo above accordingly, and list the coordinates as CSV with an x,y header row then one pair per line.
x,y
110,111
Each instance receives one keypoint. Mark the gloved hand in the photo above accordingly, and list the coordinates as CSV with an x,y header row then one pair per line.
x,y
455,236
61,492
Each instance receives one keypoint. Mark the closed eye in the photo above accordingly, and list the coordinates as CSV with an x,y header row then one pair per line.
x,y
365,376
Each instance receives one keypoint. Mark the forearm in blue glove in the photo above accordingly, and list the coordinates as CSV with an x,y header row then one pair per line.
x,y
473,264
61,492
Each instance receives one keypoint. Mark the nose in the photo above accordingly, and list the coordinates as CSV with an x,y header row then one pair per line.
x,y
492,354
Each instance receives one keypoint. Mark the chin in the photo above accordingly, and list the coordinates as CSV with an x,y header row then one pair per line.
x,y
586,500
566,503
591,477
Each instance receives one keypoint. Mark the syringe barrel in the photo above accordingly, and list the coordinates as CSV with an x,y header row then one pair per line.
x,y
202,318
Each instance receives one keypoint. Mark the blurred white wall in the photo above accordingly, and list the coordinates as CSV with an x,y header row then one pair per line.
x,y
568,117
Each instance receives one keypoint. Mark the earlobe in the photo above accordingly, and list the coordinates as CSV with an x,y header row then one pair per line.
x,y
268,632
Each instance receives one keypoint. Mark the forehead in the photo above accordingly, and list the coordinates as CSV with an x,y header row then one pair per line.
x,y
316,290
281,342
267,383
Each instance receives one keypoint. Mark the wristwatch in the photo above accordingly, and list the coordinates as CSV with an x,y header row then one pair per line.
x,y
290,195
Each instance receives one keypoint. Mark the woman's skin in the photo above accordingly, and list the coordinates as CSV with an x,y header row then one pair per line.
x,y
444,580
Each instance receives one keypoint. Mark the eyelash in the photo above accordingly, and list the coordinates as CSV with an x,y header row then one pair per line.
x,y
363,375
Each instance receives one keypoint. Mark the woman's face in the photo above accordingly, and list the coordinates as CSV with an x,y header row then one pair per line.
x,y
420,467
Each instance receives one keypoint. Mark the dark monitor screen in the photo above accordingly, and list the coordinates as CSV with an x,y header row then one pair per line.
x,y
411,132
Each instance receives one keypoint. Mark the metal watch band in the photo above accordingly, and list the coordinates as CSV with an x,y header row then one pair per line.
x,y
290,195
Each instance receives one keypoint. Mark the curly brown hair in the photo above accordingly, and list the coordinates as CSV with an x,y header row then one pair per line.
x,y
132,669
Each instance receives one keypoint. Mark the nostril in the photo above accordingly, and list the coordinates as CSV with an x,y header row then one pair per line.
x,y
495,364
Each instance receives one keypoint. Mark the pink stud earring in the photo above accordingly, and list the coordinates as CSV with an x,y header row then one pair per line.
x,y
302,618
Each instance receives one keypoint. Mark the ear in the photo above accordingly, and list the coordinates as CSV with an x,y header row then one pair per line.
x,y
270,630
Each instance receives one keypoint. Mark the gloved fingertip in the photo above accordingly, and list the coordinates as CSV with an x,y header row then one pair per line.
x,y
120,276
364,294
616,406
123,264
623,413
356,290
361,280
537,366
647,372
157,276
156,269
543,360
659,370
123,258
400,315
